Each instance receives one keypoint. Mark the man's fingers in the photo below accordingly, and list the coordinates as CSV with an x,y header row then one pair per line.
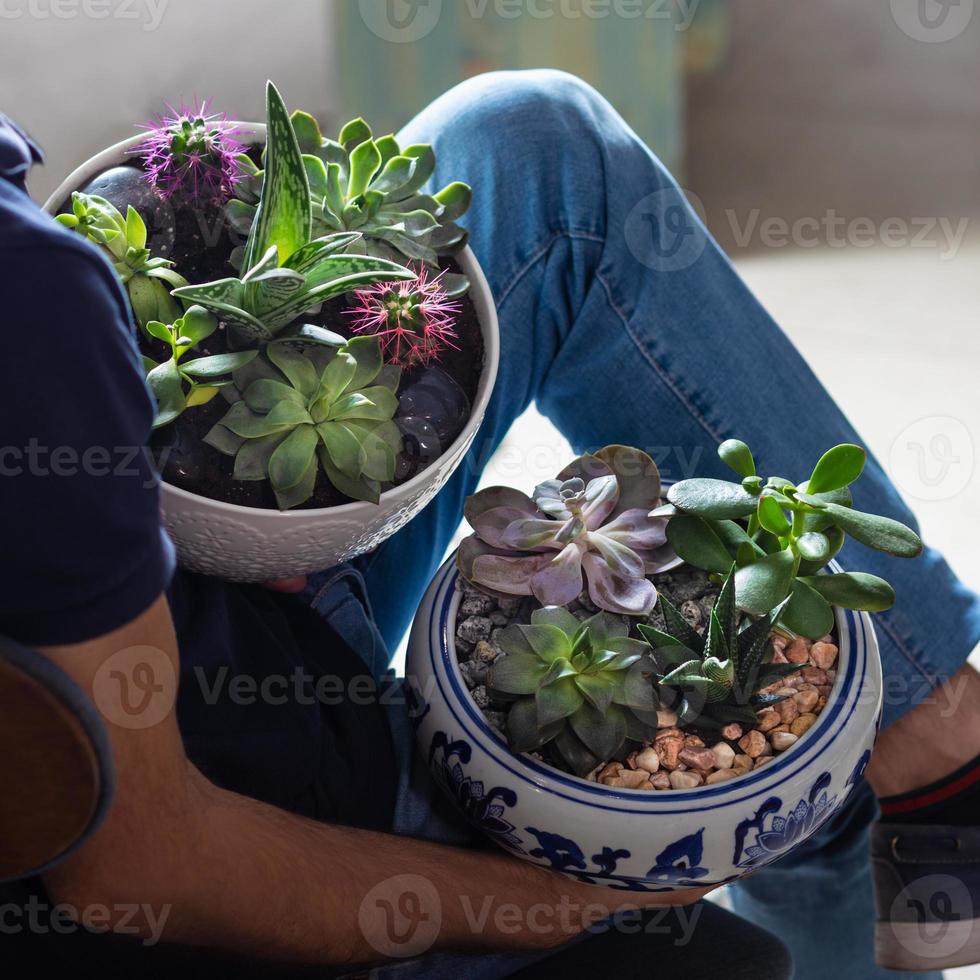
x,y
291,585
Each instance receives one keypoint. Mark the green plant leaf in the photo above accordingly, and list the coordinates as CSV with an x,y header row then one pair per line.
x,y
344,448
853,590
597,689
814,546
160,331
516,673
135,228
557,700
283,217
678,627
880,533
807,612
838,467
714,499
253,455
696,541
292,457
578,758
772,518
761,586
557,616
165,383
216,365
548,642
602,734
735,454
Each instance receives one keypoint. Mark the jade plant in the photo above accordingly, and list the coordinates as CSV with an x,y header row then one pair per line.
x,y
412,320
192,156
781,534
371,186
581,689
593,520
178,384
717,675
148,280
302,412
286,273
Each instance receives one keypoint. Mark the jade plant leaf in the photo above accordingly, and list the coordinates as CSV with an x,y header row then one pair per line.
x,y
761,586
837,468
808,612
880,533
698,543
853,590
715,499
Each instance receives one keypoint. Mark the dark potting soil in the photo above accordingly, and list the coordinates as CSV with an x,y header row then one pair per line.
x,y
435,401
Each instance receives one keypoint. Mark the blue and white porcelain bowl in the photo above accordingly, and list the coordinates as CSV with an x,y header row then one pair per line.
x,y
634,839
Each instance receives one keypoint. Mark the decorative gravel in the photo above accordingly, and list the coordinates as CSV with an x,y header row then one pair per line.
x,y
675,758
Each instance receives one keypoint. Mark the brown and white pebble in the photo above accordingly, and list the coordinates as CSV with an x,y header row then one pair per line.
x,y
787,710
627,779
719,776
648,760
668,749
753,744
806,700
698,758
733,732
798,652
781,741
768,719
685,780
724,755
823,655
743,762
660,780
803,724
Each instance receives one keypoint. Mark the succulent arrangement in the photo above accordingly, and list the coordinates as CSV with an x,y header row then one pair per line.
x,y
193,155
582,687
148,280
371,186
592,521
617,694
340,290
780,534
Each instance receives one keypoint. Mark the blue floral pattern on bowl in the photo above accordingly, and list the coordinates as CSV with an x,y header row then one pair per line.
x,y
772,834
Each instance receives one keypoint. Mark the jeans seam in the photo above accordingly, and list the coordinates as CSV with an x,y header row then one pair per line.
x,y
540,252
652,362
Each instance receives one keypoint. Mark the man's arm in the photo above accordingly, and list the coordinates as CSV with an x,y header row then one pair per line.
x,y
233,873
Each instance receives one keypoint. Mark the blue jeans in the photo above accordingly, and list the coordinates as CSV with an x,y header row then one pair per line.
x,y
624,322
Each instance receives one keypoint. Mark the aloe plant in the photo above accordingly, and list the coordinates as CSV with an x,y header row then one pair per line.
x,y
303,412
178,384
148,280
372,186
287,274
592,521
582,689
781,534
718,674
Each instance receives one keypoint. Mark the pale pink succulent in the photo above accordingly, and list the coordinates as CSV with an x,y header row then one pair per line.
x,y
592,522
413,320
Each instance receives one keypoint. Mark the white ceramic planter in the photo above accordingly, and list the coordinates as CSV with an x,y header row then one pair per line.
x,y
248,544
631,839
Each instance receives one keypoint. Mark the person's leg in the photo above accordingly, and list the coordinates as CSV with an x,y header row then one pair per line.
x,y
624,321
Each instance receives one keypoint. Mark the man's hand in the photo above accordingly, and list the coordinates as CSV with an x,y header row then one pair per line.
x,y
290,585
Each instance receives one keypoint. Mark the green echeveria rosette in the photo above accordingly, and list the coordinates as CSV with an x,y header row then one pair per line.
x,y
581,689
589,528
303,412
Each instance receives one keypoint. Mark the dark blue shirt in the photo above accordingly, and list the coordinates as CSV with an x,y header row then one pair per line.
x,y
83,552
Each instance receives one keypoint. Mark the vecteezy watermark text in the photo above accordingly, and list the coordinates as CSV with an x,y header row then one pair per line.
x,y
127,919
834,230
405,21
149,12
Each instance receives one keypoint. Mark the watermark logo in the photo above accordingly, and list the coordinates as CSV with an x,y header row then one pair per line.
x,y
136,687
933,458
401,21
401,916
932,21
931,916
665,230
